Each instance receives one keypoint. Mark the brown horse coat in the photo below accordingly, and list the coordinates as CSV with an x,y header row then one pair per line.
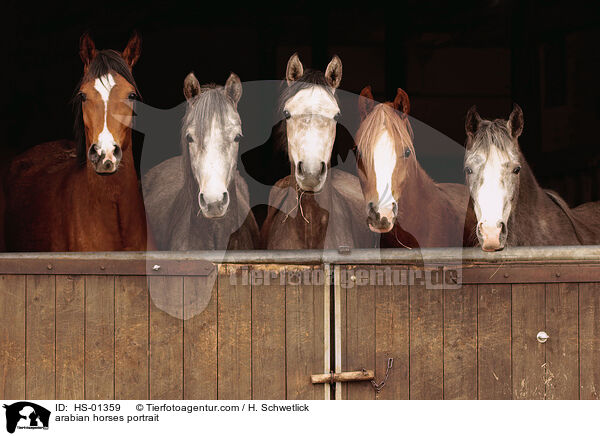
x,y
329,219
53,204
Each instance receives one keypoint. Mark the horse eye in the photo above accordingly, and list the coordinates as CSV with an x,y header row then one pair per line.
x,y
337,116
238,138
517,170
132,96
468,170
82,96
406,153
189,138
286,114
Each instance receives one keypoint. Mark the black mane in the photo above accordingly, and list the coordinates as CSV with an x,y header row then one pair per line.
x,y
105,62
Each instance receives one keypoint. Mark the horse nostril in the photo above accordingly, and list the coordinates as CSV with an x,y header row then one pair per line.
x,y
108,165
323,168
117,153
225,197
202,201
502,227
300,168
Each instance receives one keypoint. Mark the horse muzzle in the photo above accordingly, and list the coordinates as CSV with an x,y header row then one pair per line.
x,y
492,237
105,163
213,206
311,178
381,220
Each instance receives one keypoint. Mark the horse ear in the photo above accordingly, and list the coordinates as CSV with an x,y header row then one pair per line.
x,y
472,121
87,50
131,54
402,102
333,73
515,121
294,69
233,88
191,86
366,103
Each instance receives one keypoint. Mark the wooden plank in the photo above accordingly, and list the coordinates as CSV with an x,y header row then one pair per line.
x,y
12,337
589,341
234,335
392,333
131,338
200,337
360,329
494,342
166,338
562,349
460,343
70,337
426,343
40,337
304,333
528,355
532,272
268,333
99,337
338,328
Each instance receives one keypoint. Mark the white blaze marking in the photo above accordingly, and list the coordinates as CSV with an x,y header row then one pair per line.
x,y
384,162
491,196
106,141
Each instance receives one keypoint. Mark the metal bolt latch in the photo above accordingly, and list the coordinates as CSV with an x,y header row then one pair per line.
x,y
542,337
156,267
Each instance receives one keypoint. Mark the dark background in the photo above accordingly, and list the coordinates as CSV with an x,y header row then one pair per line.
x,y
446,55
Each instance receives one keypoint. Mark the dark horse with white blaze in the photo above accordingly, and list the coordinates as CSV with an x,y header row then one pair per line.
x,y
85,196
198,200
511,207
314,207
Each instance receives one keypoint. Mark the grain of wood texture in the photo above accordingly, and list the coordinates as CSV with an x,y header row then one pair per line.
x,y
562,351
494,342
360,329
528,355
589,341
392,333
268,333
166,338
12,337
200,338
304,333
40,337
131,338
460,343
99,337
426,343
234,334
70,337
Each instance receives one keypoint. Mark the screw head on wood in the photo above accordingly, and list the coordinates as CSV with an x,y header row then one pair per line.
x,y
102,267
542,337
506,275
49,266
156,267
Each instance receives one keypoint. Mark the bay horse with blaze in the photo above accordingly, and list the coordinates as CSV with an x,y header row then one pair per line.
x,y
83,196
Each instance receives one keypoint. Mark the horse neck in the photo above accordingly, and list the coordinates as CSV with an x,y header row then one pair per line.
x,y
421,200
532,203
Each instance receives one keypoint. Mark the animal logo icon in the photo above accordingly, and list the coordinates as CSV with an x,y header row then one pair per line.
x,y
26,415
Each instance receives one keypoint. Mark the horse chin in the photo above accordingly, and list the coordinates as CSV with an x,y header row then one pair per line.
x,y
381,229
311,188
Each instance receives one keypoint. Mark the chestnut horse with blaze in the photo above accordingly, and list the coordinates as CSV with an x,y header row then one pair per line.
x,y
83,196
